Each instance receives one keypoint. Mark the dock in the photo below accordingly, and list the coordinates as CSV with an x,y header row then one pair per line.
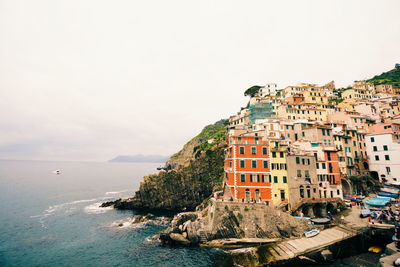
x,y
292,248
296,247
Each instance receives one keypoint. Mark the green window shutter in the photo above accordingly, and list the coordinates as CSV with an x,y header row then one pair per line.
x,y
254,164
264,149
265,164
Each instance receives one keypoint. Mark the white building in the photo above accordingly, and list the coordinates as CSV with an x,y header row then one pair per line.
x,y
269,89
383,150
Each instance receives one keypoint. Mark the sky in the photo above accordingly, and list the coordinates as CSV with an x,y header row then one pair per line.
x,y
93,79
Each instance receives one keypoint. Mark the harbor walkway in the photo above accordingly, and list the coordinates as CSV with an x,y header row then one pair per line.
x,y
295,247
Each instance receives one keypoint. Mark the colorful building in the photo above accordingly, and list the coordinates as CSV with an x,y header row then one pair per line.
x,y
247,169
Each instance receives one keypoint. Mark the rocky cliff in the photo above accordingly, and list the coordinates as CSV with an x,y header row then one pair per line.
x,y
219,223
195,172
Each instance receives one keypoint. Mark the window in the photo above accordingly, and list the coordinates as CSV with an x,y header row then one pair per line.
x,y
372,139
254,164
241,150
317,165
243,177
269,178
274,154
385,147
264,151
297,160
275,179
253,150
307,173
323,132
242,164
298,173
376,157
285,179
375,148
265,163
387,157
254,178
323,165
388,170
281,155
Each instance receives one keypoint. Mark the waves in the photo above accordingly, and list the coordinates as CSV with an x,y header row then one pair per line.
x,y
96,209
77,205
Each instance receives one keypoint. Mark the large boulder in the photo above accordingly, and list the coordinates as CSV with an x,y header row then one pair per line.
x,y
179,239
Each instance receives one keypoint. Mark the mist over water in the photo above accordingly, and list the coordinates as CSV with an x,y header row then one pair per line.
x,y
48,219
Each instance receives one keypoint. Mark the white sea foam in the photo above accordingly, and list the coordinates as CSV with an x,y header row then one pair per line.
x,y
127,223
96,209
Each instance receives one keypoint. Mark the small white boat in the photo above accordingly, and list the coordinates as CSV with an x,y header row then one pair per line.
x,y
312,233
57,172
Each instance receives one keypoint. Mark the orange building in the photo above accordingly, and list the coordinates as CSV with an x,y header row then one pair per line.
x,y
247,168
332,160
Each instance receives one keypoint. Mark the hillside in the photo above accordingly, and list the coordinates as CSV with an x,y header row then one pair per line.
x,y
389,77
197,171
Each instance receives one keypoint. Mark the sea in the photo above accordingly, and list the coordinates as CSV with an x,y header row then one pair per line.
x,y
55,220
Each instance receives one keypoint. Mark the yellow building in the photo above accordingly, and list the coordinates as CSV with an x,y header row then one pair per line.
x,y
279,174
306,111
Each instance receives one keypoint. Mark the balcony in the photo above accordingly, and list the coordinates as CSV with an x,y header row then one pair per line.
x,y
278,149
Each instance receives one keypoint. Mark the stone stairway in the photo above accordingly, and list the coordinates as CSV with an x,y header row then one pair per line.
x,y
203,237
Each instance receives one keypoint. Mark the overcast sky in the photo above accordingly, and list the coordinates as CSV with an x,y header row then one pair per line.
x,y
88,80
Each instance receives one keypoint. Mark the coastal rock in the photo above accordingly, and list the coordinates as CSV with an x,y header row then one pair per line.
x,y
180,239
245,257
108,204
198,172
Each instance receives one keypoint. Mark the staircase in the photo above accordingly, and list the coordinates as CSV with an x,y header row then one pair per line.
x,y
203,237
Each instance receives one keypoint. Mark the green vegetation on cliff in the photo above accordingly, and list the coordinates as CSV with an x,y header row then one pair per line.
x,y
198,171
252,91
389,77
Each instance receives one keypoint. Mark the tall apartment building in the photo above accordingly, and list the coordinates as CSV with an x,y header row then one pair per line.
x,y
247,168
302,177
383,146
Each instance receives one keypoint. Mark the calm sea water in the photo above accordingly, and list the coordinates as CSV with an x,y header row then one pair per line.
x,y
54,220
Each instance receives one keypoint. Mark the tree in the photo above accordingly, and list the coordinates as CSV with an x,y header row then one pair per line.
x,y
252,91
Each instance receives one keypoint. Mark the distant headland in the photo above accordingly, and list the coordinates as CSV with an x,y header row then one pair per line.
x,y
140,158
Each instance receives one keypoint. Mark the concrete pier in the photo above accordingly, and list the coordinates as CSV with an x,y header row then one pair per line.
x,y
296,247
